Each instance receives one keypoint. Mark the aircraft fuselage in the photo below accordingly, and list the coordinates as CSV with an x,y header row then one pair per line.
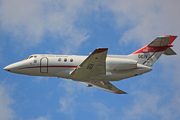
x,y
117,67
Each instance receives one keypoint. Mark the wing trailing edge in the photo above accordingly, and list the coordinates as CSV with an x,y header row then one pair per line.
x,y
105,85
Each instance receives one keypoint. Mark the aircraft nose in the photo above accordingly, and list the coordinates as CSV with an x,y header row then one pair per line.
x,y
7,68
12,67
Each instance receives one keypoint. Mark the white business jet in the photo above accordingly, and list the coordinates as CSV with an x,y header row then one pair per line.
x,y
97,69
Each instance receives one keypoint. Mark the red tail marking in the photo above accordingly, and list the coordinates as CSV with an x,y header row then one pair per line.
x,y
146,49
156,48
172,38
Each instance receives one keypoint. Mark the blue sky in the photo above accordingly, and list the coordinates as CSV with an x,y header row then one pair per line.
x,y
78,27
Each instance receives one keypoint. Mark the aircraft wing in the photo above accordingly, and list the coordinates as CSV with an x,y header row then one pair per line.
x,y
105,85
92,67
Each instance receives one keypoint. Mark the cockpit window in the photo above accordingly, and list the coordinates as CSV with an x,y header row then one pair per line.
x,y
28,57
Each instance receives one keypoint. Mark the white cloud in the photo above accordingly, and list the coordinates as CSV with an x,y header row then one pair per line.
x,y
30,21
6,112
68,102
2,44
103,112
154,23
40,79
145,20
145,105
47,117
153,105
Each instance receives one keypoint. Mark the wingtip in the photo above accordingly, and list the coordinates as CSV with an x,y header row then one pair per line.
x,y
99,50
121,92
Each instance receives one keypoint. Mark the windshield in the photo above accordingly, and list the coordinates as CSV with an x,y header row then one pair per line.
x,y
28,57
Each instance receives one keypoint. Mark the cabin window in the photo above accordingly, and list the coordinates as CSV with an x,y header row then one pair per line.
x,y
59,59
71,60
65,60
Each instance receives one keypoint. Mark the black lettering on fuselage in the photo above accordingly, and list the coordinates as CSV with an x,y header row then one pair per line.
x,y
142,56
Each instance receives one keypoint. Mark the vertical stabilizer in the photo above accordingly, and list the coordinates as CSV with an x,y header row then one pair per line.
x,y
150,53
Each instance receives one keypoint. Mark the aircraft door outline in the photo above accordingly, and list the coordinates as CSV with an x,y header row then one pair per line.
x,y
44,65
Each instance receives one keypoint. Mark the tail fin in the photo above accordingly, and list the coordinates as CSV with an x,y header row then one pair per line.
x,y
150,53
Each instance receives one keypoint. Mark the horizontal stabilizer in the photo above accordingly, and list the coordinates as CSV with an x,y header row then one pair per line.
x,y
169,51
163,41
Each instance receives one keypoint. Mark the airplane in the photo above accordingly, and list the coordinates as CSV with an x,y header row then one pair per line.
x,y
97,69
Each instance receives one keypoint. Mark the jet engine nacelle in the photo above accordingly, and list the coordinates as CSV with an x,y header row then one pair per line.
x,y
121,63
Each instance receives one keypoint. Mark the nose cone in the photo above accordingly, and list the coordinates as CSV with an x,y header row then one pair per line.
x,y
12,67
7,68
